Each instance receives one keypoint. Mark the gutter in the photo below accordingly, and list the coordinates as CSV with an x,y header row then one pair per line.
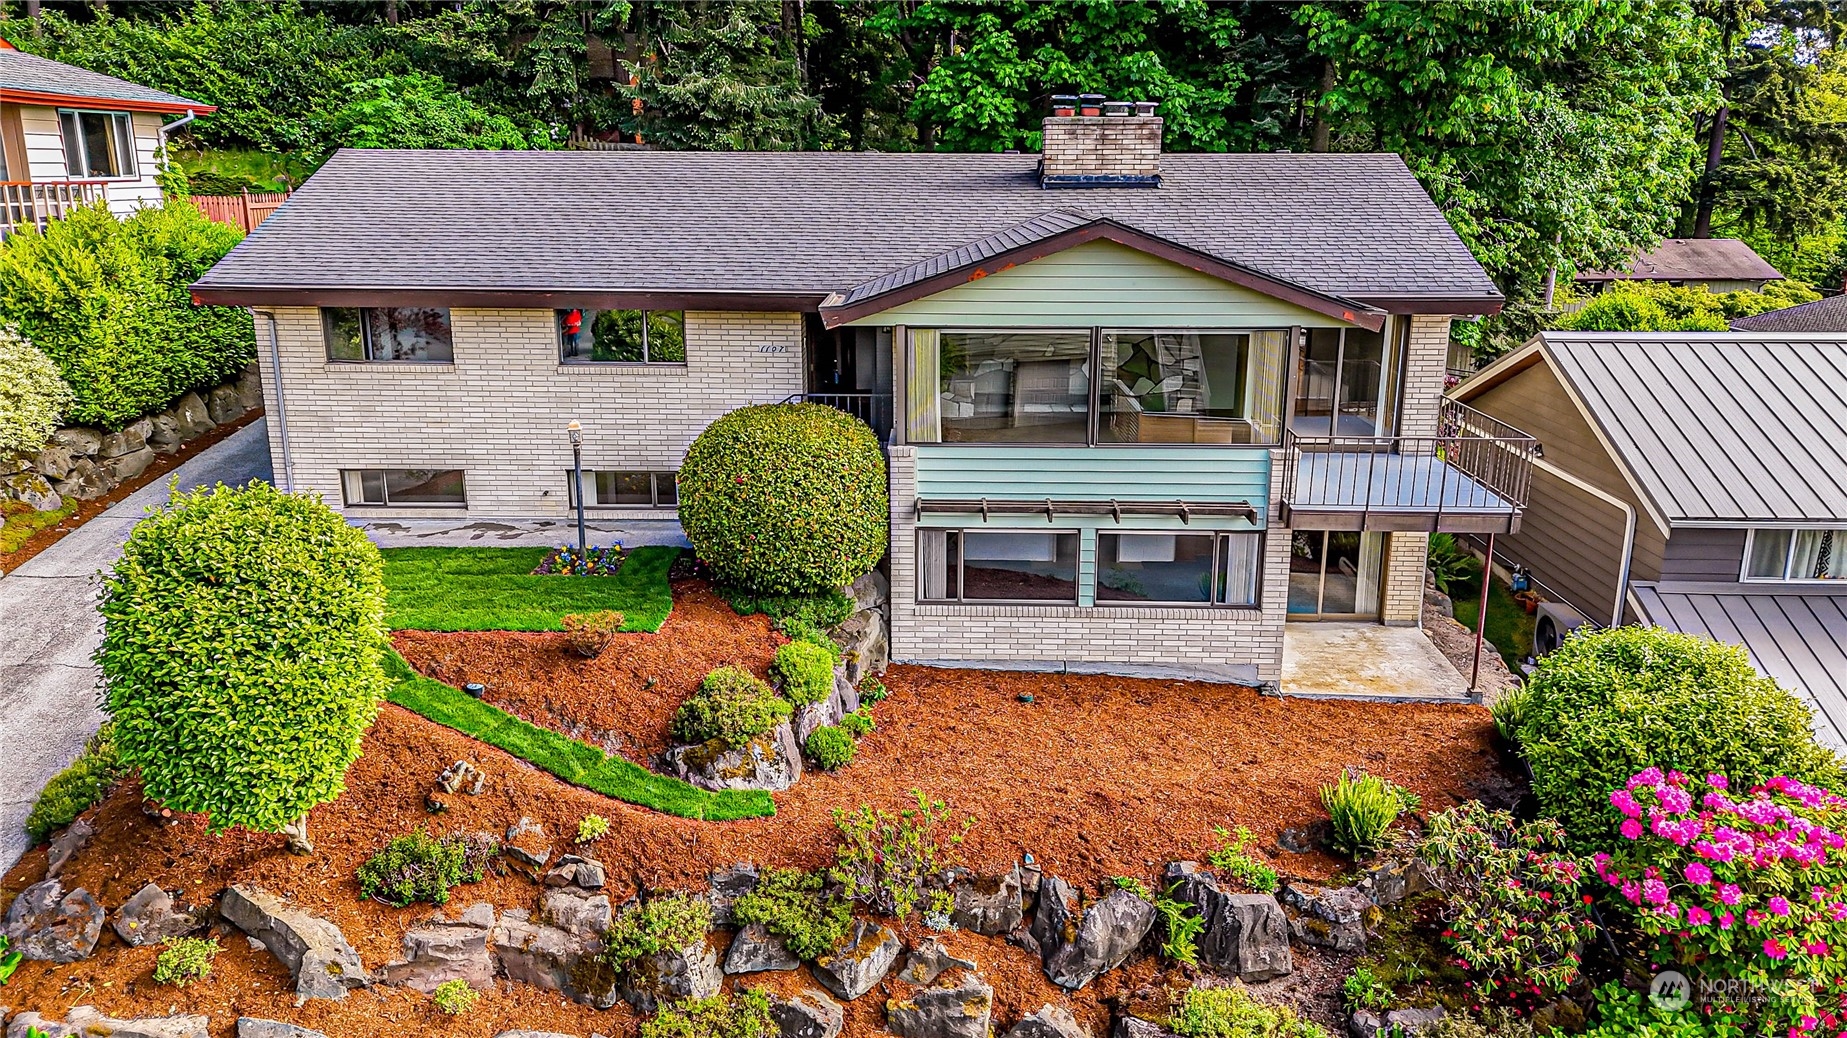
x,y
166,128
282,411
1628,510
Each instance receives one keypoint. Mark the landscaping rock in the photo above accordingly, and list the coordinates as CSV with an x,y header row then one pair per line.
x,y
853,968
530,953
440,951
64,846
128,466
871,591
53,462
534,1034
190,413
928,961
1049,1022
86,1022
865,645
86,482
581,913
1136,1027
962,1010
150,918
81,442
249,387
669,976
1080,945
47,925
165,436
462,777
727,886
256,1027
989,904
128,441
772,761
1390,882
1328,917
755,949
1245,934
314,950
223,405
32,490
810,1014
575,871
528,844
1399,1023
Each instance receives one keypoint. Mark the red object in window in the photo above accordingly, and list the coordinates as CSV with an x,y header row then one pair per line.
x,y
573,322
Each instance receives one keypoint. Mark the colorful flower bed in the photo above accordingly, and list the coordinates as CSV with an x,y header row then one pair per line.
x,y
570,562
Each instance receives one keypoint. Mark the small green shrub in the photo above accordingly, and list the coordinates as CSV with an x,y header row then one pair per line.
x,y
783,498
184,960
1363,990
1497,1022
1450,565
731,704
1234,858
32,394
454,997
419,867
806,671
592,828
859,723
884,858
743,1014
830,747
1363,809
665,923
1183,924
589,634
1231,1012
795,906
1509,712
820,609
800,629
1133,885
872,690
79,787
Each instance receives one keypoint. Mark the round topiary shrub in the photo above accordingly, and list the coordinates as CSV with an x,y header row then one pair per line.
x,y
786,498
830,747
242,631
1608,704
732,704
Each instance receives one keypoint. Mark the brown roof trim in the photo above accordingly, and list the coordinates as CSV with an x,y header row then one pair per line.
x,y
1109,230
512,299
1458,305
116,104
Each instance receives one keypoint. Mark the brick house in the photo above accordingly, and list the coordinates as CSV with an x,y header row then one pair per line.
x,y
1140,407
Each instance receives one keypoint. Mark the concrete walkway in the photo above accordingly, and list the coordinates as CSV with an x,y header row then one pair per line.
x,y
49,628
518,533
1367,661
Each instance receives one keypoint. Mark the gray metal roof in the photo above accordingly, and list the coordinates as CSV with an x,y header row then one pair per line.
x,y
1822,315
1732,426
1692,259
29,73
1358,226
1797,637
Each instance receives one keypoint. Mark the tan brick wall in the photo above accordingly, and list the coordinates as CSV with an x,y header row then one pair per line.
x,y
499,411
1426,364
1220,638
1076,145
1401,601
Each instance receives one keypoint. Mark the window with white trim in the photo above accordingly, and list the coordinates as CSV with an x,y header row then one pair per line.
x,y
618,488
416,334
410,488
98,145
1795,554
1154,569
997,565
621,336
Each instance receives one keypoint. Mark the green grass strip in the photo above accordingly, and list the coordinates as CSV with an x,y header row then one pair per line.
x,y
494,589
578,763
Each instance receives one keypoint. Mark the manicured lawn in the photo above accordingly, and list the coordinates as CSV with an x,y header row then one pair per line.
x,y
577,763
1510,627
494,589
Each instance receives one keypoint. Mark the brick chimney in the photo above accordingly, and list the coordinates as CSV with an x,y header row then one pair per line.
x,y
1097,143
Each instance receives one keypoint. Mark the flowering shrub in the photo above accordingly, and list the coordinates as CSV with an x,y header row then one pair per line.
x,y
1748,886
1516,917
569,562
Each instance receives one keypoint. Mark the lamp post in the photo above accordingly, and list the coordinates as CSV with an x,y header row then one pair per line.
x,y
577,480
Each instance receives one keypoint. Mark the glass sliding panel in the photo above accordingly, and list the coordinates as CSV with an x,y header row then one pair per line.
x,y
1816,555
424,487
1014,387
1306,550
1019,567
1155,568
1183,387
124,145
1314,383
1362,383
622,336
1769,554
1240,557
409,333
342,329
1340,585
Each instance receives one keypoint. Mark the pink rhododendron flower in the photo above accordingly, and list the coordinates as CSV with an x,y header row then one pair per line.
x,y
1632,829
1698,874
1729,893
1773,949
1698,916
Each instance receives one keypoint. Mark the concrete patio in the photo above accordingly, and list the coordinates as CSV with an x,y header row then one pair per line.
x,y
1367,661
517,533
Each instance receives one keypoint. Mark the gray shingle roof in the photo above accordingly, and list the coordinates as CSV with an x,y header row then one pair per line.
x,y
1026,232
1692,259
1822,315
30,73
818,222
1736,426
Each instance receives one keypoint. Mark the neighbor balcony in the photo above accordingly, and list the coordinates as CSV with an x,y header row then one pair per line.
x,y
1471,477
29,204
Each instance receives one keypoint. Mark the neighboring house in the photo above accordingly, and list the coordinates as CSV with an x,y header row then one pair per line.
x,y
1716,264
1693,480
69,137
1118,375
1828,314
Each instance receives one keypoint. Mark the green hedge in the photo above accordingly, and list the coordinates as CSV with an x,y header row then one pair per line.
x,y
786,498
109,301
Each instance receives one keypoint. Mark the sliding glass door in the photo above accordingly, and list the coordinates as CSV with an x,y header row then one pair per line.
x,y
1334,574
1346,383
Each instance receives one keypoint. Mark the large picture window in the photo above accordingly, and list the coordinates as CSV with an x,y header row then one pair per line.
x,y
1178,568
607,488
1190,387
1346,381
997,566
98,145
416,334
405,487
1796,555
622,336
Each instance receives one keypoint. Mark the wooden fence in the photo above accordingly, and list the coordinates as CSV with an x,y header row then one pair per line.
x,y
244,210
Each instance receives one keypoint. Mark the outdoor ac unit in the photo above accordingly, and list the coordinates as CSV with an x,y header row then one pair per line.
x,y
1555,621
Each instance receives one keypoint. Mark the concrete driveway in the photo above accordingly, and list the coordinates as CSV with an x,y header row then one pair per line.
x,y
49,628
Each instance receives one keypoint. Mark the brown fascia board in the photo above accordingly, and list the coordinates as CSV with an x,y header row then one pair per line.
x,y
512,299
1352,312
1482,305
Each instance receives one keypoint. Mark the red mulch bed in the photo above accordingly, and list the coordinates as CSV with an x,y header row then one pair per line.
x,y
1099,776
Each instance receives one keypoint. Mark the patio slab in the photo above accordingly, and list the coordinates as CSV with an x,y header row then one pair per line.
x,y
1367,661
517,533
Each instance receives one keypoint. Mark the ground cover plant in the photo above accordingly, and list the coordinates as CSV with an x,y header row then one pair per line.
x,y
830,747
19,521
577,763
795,904
741,1014
1363,808
184,960
732,704
454,997
823,609
884,857
1232,1012
79,787
666,923
494,589
592,828
1235,858
420,867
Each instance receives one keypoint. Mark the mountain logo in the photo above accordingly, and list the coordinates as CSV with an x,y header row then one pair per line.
x,y
1670,991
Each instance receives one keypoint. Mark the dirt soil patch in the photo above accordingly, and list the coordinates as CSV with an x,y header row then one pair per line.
x,y
1099,776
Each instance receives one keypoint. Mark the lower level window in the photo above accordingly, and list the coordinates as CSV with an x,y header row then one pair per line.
x,y
625,488
404,487
1796,555
1178,568
994,566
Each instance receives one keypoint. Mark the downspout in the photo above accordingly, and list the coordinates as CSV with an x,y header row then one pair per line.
x,y
166,128
282,412
1628,510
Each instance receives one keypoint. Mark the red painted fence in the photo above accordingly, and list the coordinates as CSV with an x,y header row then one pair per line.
x,y
244,210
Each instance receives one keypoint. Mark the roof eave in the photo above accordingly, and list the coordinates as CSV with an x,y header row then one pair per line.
x,y
1484,305
175,107
218,294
